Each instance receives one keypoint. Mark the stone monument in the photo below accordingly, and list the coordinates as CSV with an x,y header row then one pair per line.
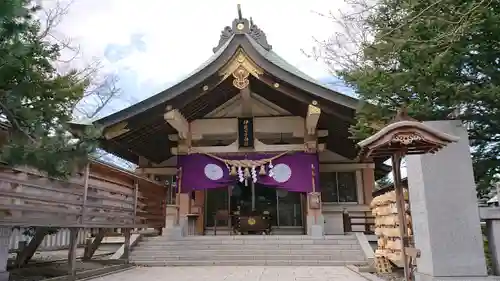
x,y
445,212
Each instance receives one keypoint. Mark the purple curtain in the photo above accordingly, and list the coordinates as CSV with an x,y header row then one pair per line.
x,y
293,172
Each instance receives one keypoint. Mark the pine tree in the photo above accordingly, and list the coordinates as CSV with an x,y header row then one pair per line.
x,y
439,58
36,101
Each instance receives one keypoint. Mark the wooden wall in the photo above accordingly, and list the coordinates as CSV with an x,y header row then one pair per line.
x,y
98,196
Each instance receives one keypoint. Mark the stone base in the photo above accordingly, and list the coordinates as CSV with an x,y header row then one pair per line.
x,y
318,223
424,277
176,232
4,276
317,231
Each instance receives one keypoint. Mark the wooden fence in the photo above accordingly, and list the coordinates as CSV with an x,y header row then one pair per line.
x,y
100,196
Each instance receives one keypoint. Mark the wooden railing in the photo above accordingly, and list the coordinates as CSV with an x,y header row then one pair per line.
x,y
367,222
100,196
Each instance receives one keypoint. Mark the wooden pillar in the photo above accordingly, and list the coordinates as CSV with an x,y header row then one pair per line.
x,y
200,202
184,203
368,176
86,175
73,243
126,245
368,184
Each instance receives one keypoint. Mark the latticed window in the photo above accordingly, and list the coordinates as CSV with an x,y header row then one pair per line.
x,y
338,187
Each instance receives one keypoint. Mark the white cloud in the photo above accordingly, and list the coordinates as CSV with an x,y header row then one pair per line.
x,y
180,35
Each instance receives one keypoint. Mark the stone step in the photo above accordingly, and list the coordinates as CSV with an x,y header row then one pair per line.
x,y
254,237
247,247
249,242
247,256
248,263
249,250
214,252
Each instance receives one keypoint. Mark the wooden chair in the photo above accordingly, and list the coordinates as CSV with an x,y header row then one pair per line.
x,y
221,215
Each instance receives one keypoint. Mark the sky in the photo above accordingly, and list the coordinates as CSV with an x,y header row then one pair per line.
x,y
151,44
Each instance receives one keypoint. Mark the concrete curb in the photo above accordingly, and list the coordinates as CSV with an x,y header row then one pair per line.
x,y
366,275
365,246
108,273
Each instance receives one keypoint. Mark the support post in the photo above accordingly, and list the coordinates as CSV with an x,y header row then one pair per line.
x,y
92,246
27,253
126,246
86,175
178,197
315,220
5,233
136,196
400,205
73,243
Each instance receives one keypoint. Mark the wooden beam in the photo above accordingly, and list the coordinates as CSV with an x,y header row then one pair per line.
x,y
231,136
175,118
344,167
221,126
169,171
312,118
259,147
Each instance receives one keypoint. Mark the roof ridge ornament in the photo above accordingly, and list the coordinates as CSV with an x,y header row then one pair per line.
x,y
240,17
242,25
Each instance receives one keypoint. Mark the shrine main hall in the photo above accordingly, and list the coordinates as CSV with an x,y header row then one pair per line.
x,y
248,144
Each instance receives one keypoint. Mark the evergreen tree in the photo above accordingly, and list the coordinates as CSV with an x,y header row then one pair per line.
x,y
37,101
439,58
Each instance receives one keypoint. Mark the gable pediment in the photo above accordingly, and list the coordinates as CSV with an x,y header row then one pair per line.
x,y
259,105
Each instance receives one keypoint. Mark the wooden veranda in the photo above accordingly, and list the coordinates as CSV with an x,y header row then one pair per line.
x,y
100,196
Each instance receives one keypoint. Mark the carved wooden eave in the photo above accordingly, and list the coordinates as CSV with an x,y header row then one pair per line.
x,y
116,130
175,118
409,137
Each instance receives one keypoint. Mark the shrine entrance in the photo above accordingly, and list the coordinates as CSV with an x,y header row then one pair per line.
x,y
284,209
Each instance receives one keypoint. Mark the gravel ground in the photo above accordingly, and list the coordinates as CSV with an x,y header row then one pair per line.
x,y
44,256
39,268
50,270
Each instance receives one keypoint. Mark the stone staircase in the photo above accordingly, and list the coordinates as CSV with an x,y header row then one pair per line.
x,y
243,250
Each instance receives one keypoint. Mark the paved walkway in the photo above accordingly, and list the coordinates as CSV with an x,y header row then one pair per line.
x,y
235,273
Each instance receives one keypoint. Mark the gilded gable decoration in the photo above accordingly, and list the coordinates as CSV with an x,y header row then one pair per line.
x,y
240,67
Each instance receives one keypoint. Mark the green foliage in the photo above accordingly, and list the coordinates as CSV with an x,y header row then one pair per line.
x,y
438,58
35,99
486,249
384,182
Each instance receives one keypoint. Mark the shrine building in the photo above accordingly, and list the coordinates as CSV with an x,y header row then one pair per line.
x,y
248,144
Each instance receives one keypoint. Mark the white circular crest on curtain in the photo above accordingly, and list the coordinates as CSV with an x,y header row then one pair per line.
x,y
282,173
213,172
